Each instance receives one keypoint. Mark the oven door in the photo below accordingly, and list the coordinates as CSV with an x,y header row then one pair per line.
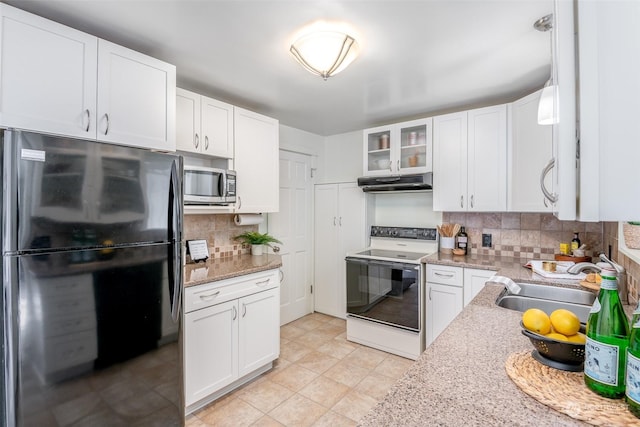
x,y
385,292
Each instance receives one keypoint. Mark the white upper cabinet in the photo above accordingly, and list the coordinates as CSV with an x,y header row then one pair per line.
x,y
529,150
58,80
469,160
203,125
47,76
136,98
401,148
256,161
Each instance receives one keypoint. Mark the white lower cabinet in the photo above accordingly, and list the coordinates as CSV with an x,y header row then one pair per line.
x,y
449,290
231,333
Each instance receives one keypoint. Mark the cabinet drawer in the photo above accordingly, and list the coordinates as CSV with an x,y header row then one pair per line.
x,y
445,275
201,296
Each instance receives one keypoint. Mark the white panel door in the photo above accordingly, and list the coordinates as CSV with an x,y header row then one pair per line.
x,y
48,75
326,250
474,280
487,159
450,162
256,151
444,303
293,226
187,121
136,98
529,149
211,350
351,236
259,336
217,127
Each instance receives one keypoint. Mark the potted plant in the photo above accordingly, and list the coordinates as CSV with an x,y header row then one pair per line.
x,y
256,240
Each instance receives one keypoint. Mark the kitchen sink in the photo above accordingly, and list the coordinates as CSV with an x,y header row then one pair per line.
x,y
548,299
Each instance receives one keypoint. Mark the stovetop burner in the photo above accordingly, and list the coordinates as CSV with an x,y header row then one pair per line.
x,y
384,253
408,244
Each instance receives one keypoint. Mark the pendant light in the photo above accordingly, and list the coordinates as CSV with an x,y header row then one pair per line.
x,y
547,114
324,49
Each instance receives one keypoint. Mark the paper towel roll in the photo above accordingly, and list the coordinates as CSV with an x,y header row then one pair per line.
x,y
248,219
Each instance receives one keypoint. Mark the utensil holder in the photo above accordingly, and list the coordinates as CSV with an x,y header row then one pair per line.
x,y
447,244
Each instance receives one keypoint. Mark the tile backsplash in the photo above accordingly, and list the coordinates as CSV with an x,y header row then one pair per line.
x,y
525,235
219,230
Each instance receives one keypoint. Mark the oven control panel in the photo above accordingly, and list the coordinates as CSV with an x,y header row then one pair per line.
x,y
404,233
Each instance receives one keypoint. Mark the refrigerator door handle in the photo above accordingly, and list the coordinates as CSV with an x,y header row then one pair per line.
x,y
10,159
175,225
11,335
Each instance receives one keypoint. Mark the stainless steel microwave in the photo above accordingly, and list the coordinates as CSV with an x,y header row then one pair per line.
x,y
209,186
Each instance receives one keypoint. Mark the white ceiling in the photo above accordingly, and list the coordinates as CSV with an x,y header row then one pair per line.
x,y
417,57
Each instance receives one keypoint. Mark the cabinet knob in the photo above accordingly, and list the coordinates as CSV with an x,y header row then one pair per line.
x,y
206,142
196,140
106,116
88,119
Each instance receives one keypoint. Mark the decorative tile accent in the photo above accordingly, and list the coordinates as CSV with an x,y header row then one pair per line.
x,y
219,230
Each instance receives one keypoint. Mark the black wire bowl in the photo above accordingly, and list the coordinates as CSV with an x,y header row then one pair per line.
x,y
563,355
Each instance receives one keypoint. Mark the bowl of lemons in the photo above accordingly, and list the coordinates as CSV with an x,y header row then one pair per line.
x,y
558,339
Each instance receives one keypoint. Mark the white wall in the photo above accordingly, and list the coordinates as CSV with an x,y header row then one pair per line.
x,y
341,160
406,210
300,141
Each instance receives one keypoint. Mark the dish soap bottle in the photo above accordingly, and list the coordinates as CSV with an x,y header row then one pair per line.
x,y
607,340
633,366
463,240
575,242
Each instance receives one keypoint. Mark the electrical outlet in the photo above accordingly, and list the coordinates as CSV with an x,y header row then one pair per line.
x,y
486,240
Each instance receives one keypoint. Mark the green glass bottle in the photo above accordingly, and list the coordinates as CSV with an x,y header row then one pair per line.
x,y
607,340
633,366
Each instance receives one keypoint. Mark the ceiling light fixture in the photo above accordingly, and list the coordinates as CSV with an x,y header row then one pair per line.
x,y
324,50
548,98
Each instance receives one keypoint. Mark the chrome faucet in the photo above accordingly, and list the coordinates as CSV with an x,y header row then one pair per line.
x,y
582,266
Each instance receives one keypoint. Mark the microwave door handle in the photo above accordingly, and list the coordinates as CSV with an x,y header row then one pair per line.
x,y
222,185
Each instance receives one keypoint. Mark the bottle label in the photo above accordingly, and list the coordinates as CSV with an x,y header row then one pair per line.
x,y
636,325
595,308
601,362
462,242
633,378
608,283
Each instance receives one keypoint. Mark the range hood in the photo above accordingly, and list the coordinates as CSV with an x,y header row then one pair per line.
x,y
414,182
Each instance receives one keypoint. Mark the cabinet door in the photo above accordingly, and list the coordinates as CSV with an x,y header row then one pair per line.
x,y
256,162
326,276
259,336
474,280
450,162
377,151
217,127
413,150
188,121
443,305
136,99
47,77
211,350
529,150
487,159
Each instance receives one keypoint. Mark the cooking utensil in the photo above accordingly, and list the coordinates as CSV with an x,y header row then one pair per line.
x,y
564,355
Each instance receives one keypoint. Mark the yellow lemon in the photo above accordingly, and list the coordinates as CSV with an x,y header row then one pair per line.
x,y
536,321
578,338
556,336
565,322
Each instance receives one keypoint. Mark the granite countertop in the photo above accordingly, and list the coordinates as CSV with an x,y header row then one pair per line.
x,y
225,268
461,377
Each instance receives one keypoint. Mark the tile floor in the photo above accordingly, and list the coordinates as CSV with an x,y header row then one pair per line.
x,y
320,379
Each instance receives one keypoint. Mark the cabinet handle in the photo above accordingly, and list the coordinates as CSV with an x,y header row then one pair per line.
x,y
88,120
390,165
471,200
552,197
544,200
235,313
340,221
281,275
244,310
239,202
334,220
197,140
462,201
106,116
206,142
430,293
209,297
443,275
398,166
263,282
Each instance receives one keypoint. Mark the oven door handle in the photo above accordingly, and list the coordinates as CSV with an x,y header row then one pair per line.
x,y
394,265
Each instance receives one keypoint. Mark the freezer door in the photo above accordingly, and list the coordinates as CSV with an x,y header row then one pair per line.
x,y
72,193
95,343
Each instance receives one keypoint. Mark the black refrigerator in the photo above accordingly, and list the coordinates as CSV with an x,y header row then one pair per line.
x,y
92,283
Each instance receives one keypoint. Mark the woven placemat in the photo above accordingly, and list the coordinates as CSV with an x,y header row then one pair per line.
x,y
566,392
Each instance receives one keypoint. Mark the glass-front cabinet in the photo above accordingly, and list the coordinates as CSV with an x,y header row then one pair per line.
x,y
398,149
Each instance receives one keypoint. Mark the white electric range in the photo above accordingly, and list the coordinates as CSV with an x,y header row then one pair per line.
x,y
385,290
